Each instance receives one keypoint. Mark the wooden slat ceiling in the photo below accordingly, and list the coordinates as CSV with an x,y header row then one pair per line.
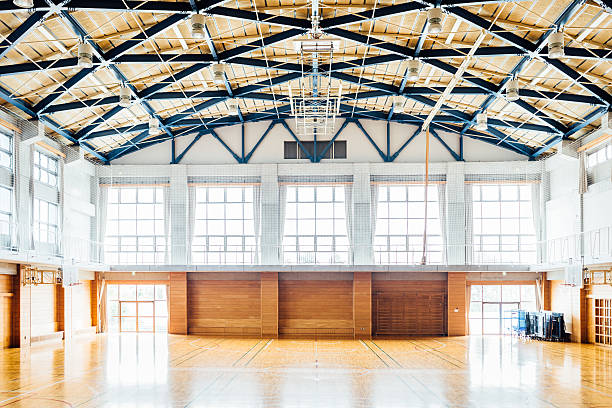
x,y
54,40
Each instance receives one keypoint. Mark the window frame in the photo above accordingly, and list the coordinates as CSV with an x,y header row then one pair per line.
x,y
38,169
412,254
482,243
10,152
202,244
37,222
135,248
308,253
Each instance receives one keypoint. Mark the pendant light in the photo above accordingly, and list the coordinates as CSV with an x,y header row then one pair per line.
x,y
512,90
197,26
481,121
555,45
218,71
24,3
85,55
398,104
124,97
413,69
434,19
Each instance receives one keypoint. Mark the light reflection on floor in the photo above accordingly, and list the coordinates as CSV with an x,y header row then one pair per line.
x,y
149,370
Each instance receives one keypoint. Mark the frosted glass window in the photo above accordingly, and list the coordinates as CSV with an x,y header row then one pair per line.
x,y
315,225
400,225
502,221
6,150
224,228
135,226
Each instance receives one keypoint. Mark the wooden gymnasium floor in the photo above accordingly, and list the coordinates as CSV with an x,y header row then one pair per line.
x,y
178,371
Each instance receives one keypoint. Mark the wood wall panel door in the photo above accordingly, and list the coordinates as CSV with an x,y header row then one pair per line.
x,y
224,307
409,307
312,307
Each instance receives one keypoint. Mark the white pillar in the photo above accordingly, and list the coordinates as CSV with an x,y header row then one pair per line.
x,y
363,225
456,221
179,204
271,221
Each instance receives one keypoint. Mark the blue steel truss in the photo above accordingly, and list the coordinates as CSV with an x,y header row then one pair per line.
x,y
178,124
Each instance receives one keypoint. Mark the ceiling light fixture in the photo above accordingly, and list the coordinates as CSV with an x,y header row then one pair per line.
x,y
125,97
398,104
555,45
512,90
24,3
218,71
481,121
197,26
413,69
434,19
85,54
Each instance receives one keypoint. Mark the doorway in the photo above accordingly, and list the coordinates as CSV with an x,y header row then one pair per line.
x,y
141,308
491,306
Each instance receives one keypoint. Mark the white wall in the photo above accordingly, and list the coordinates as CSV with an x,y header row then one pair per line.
x,y
209,151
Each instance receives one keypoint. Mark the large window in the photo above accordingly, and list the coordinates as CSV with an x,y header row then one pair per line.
x,y
400,225
6,150
491,306
224,227
137,308
6,213
315,230
135,226
45,168
503,228
46,222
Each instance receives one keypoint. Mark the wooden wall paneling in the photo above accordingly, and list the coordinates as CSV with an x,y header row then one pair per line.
x,y
572,302
230,307
546,295
457,304
6,305
93,302
269,304
20,333
409,307
315,307
362,304
177,297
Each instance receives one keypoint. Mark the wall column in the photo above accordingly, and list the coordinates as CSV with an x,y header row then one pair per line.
x,y
67,311
177,322
179,203
269,304
457,302
21,313
362,305
270,222
363,226
456,221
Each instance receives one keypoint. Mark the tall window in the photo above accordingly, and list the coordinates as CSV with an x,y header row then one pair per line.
x,y
315,225
503,229
400,225
6,213
6,191
491,306
135,226
46,222
224,228
45,168
6,150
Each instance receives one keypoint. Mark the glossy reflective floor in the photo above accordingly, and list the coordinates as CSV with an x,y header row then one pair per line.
x,y
188,371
